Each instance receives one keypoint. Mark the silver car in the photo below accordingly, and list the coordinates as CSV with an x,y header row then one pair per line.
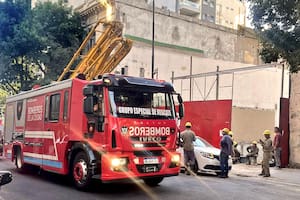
x,y
207,157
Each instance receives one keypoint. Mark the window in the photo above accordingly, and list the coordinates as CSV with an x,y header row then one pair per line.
x,y
91,42
142,103
46,107
212,4
124,70
66,105
142,72
54,107
205,2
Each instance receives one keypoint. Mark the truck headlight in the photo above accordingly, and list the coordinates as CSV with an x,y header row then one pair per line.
x,y
175,158
118,164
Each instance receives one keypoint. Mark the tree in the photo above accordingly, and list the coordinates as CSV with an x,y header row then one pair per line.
x,y
61,33
36,44
278,23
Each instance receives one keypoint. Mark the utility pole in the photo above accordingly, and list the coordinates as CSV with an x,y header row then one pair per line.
x,y
153,14
217,83
282,80
191,73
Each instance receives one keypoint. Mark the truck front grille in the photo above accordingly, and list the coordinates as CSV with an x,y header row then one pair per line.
x,y
151,153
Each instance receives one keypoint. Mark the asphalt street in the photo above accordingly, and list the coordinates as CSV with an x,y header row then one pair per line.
x,y
242,184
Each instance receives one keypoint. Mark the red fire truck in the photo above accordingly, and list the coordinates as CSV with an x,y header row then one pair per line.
x,y
116,127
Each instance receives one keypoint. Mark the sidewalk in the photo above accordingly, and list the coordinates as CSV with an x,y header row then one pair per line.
x,y
284,175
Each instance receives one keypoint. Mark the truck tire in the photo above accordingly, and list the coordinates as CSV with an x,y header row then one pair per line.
x,y
81,174
153,181
18,160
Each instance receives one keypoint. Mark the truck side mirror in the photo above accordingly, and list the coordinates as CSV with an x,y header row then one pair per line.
x,y
5,177
181,111
88,90
179,98
88,105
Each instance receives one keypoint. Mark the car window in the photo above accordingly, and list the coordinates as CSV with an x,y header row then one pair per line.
x,y
199,142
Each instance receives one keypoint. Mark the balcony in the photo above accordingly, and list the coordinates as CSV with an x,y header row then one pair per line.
x,y
190,8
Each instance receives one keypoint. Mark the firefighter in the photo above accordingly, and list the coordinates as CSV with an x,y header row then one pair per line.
x,y
252,153
188,137
230,133
236,155
226,151
267,149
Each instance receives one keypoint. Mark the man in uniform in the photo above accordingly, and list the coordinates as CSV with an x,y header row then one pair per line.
x,y
188,137
226,151
252,153
267,149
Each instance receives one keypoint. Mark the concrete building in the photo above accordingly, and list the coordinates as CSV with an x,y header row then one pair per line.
x,y
231,13
295,121
208,9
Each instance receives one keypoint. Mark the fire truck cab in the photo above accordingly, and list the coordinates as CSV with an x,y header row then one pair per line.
x,y
116,127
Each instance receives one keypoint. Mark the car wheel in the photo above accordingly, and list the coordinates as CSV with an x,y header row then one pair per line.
x,y
153,181
196,168
272,162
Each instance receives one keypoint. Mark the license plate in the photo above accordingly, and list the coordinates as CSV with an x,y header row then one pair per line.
x,y
150,160
151,169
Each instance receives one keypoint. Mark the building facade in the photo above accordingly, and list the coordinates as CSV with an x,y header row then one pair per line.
x,y
228,13
295,121
231,13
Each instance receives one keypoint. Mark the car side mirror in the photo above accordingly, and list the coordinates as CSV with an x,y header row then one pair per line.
x,y
5,177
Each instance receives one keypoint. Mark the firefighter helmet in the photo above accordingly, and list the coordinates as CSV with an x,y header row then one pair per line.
x,y
188,124
226,130
267,132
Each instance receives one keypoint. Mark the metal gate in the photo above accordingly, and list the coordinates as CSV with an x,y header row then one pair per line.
x,y
208,118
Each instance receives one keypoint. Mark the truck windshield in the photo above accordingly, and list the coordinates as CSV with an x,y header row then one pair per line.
x,y
130,103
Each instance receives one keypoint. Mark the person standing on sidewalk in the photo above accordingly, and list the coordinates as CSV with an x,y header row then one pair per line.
x,y
226,151
188,137
277,147
267,149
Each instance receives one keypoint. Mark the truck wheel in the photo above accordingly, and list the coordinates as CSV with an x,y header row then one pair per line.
x,y
18,160
81,174
153,181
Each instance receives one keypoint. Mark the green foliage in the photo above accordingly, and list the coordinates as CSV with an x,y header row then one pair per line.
x,y
278,23
35,44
